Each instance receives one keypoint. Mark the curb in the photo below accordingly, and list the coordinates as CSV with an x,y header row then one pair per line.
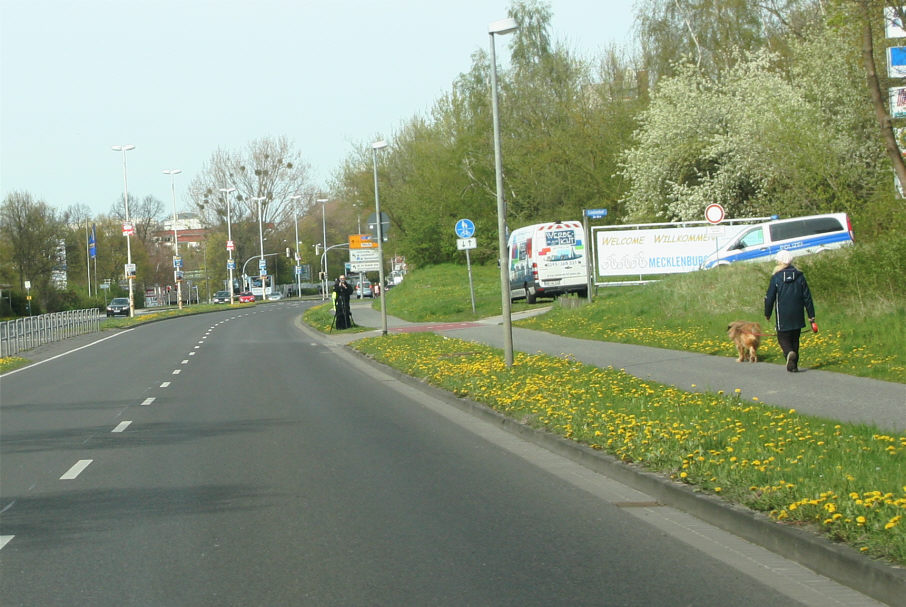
x,y
839,562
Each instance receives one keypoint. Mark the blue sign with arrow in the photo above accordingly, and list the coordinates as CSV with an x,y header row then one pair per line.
x,y
465,228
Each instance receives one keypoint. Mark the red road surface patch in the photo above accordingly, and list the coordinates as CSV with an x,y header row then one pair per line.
x,y
444,326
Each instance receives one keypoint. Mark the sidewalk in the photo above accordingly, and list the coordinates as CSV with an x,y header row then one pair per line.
x,y
822,393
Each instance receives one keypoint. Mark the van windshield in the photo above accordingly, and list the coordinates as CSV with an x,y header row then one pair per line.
x,y
751,239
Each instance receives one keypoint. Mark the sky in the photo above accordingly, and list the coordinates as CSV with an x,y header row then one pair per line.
x,y
180,79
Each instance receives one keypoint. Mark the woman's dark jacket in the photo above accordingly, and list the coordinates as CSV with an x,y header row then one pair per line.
x,y
788,294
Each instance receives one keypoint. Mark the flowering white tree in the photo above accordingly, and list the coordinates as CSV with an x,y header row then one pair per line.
x,y
762,140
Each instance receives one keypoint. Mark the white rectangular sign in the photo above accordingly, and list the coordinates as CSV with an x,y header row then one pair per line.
x,y
364,255
466,243
364,266
653,251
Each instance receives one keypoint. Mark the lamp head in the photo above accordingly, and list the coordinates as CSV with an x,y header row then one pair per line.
x,y
378,145
503,26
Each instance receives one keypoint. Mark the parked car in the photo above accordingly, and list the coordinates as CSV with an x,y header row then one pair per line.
x,y
118,306
221,297
367,291
246,297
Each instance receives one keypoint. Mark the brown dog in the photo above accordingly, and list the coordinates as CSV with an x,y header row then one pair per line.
x,y
747,337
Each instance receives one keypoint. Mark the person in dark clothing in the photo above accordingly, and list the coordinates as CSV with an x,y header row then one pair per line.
x,y
788,295
341,292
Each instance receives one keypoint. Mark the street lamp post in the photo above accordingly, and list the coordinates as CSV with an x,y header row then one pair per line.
x,y
230,264
129,277
261,269
176,269
378,145
501,27
296,255
323,202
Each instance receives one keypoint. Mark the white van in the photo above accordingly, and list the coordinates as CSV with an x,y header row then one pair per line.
x,y
547,259
801,235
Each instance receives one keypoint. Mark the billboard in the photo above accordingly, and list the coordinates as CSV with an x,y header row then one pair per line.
x,y
654,251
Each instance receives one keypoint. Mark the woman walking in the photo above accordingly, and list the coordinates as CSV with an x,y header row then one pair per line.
x,y
787,297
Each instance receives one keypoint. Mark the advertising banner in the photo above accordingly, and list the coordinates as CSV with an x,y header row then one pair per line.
x,y
653,251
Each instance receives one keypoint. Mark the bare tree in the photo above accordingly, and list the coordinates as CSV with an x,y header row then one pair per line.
x,y
145,214
268,168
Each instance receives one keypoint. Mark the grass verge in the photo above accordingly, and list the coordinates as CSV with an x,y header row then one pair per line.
x,y
9,363
321,318
847,480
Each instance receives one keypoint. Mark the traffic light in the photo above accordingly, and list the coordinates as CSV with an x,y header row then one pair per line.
x,y
318,249
287,252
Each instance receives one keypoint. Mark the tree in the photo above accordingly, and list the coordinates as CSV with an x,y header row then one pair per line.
x,y
268,168
32,233
867,14
709,33
749,141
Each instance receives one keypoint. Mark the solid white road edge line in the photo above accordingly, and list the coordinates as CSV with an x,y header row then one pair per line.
x,y
47,360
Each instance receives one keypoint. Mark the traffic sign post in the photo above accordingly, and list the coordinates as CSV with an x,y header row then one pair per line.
x,y
586,215
465,229
714,214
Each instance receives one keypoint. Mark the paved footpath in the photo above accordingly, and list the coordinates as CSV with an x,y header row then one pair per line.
x,y
835,396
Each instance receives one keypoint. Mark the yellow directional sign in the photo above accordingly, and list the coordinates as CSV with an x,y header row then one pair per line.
x,y
362,241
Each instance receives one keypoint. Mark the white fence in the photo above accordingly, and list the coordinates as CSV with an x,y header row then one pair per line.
x,y
32,331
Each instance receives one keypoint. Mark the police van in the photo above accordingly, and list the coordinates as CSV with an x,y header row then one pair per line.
x,y
800,235
548,259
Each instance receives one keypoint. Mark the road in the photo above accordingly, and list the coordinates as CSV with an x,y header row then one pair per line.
x,y
232,458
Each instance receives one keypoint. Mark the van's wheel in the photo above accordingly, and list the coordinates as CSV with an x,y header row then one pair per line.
x,y
530,297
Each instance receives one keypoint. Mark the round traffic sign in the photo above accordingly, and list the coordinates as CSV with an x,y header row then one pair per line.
x,y
465,228
714,213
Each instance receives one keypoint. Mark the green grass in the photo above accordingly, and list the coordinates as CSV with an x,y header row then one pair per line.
x,y
860,308
321,318
9,363
441,294
858,292
847,481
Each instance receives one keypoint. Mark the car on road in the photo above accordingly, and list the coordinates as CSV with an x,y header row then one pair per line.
x,y
118,306
221,297
275,296
246,297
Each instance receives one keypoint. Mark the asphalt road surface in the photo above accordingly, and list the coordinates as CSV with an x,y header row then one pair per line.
x,y
232,458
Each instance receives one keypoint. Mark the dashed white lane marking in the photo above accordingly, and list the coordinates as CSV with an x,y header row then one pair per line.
x,y
4,540
121,426
176,372
191,353
185,361
197,347
76,469
165,384
147,401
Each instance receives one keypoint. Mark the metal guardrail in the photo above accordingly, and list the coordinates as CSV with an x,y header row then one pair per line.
x,y
32,331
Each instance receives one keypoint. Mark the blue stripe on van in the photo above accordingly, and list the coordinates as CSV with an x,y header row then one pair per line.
x,y
795,245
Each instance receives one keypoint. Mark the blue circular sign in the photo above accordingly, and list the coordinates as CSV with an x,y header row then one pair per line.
x,y
465,228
